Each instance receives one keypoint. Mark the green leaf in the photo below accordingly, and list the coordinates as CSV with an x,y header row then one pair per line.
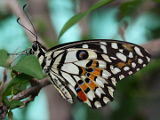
x,y
15,103
3,58
17,84
30,66
73,20
98,5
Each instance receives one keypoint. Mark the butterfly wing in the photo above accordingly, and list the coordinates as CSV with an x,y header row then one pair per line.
x,y
91,69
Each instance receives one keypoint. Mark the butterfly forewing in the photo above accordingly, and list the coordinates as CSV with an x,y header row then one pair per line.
x,y
90,69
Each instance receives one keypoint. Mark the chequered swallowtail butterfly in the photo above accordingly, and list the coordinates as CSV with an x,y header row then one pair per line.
x,y
90,69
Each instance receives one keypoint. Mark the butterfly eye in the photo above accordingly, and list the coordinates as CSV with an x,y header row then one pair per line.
x,y
82,54
34,46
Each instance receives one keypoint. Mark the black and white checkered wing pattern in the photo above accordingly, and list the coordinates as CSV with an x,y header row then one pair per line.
x,y
91,69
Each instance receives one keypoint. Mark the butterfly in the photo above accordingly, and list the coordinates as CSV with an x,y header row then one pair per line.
x,y
90,69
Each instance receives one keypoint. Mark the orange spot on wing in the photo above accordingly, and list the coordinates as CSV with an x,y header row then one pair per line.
x,y
121,64
83,71
129,61
92,85
82,96
97,71
94,64
128,46
92,77
83,86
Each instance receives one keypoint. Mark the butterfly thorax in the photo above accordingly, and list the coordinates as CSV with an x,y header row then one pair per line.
x,y
39,51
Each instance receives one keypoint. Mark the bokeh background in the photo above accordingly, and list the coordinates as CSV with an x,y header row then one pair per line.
x,y
136,21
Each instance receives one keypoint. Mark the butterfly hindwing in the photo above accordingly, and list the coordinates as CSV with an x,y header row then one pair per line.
x,y
90,69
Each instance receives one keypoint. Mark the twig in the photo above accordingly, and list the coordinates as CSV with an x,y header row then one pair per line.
x,y
32,90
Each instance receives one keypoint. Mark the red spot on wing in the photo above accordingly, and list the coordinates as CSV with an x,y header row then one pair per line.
x,y
82,96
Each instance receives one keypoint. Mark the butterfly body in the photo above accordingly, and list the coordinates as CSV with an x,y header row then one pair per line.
x,y
90,69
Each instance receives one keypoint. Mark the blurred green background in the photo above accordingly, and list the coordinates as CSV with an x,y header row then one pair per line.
x,y
138,21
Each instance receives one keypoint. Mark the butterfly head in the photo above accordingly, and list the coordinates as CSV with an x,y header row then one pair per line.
x,y
37,48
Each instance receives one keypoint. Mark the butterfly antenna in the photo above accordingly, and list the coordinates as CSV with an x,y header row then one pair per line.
x,y
18,20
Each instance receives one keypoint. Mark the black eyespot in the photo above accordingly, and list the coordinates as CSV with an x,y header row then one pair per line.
x,y
89,63
88,74
82,54
34,46
80,82
87,90
87,80
89,69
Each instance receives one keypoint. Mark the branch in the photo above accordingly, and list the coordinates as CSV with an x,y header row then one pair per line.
x,y
32,90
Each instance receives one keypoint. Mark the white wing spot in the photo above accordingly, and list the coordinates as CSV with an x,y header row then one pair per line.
x,y
106,58
99,82
148,59
138,51
121,50
115,70
100,79
130,72
105,100
84,46
103,48
102,64
110,90
138,69
121,77
130,55
106,74
114,81
97,104
99,92
121,56
140,61
133,65
126,68
144,65
90,95
113,58
114,45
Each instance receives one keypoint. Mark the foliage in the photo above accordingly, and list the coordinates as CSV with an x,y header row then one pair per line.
x,y
76,18
26,69
30,66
